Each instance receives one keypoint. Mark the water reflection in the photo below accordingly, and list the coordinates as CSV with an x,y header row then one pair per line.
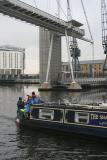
x,y
9,96
51,146
11,93
92,96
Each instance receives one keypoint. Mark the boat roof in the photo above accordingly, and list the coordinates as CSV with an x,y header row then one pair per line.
x,y
90,107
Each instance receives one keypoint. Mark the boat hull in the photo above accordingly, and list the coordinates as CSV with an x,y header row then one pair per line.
x,y
65,128
68,119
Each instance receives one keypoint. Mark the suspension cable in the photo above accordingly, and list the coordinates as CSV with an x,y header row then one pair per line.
x,y
58,4
89,28
69,16
61,9
87,21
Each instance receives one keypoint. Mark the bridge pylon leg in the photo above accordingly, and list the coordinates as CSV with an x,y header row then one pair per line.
x,y
47,84
74,85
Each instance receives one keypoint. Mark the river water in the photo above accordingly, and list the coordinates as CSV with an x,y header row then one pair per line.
x,y
24,144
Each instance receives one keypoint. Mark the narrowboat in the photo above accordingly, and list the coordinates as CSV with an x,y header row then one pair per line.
x,y
69,118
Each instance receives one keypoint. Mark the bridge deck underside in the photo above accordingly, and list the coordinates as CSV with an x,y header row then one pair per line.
x,y
25,12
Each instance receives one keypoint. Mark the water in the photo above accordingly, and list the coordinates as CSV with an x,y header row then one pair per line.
x,y
25,144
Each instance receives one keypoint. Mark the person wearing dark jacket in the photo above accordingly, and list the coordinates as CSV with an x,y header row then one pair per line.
x,y
20,104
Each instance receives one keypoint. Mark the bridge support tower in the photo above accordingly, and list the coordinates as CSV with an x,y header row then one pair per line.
x,y
55,60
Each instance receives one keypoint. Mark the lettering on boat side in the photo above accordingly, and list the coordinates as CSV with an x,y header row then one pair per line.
x,y
94,116
97,116
98,119
91,118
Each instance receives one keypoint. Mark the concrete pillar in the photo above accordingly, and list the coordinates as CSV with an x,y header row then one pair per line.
x,y
11,63
55,67
23,62
3,63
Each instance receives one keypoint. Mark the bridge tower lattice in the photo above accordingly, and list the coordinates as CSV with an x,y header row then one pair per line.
x,y
74,50
104,33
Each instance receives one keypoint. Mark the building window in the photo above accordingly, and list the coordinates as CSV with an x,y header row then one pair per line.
x,y
66,68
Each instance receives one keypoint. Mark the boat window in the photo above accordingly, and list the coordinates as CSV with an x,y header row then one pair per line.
x,y
81,117
46,114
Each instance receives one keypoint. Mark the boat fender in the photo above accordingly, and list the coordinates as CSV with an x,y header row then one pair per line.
x,y
17,120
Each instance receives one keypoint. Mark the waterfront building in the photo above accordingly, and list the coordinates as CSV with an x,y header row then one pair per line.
x,y
88,69
12,60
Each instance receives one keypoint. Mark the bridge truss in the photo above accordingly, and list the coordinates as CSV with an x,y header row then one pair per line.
x,y
32,15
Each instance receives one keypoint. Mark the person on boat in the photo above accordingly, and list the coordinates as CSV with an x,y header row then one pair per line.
x,y
20,104
27,103
25,111
26,99
36,99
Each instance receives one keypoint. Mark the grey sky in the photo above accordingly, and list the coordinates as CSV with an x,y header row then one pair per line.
x,y
15,32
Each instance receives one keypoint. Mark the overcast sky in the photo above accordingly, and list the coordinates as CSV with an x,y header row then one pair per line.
x,y
18,33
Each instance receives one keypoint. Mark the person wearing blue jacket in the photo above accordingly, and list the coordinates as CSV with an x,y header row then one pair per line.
x,y
35,99
31,100
28,103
